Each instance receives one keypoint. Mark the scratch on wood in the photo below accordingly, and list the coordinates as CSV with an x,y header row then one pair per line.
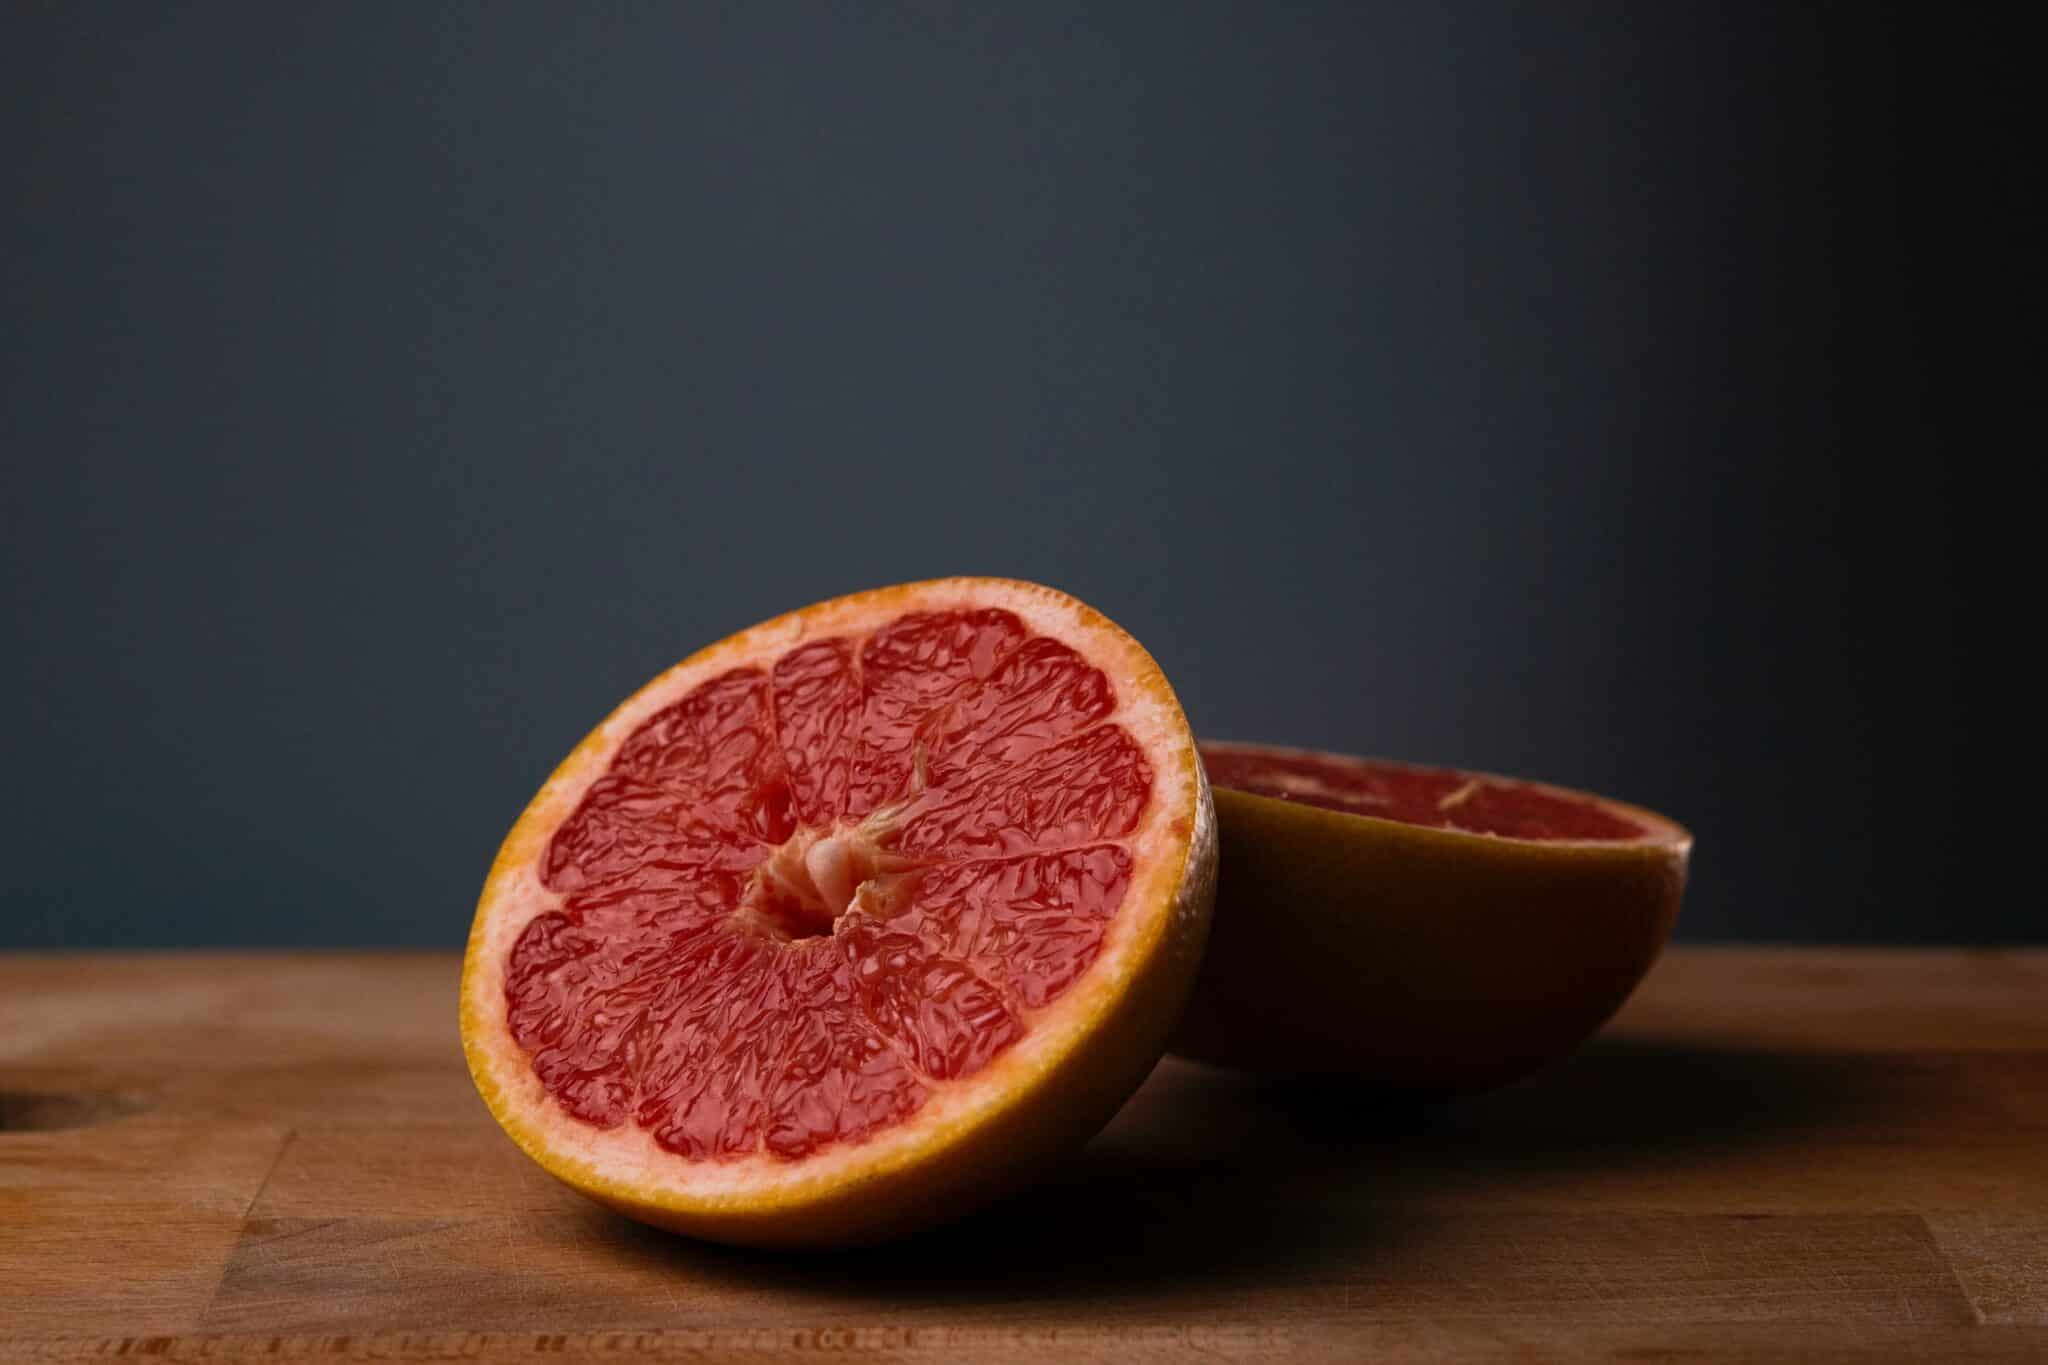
x,y
290,1136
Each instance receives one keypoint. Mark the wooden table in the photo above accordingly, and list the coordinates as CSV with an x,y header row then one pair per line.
x,y
1773,1154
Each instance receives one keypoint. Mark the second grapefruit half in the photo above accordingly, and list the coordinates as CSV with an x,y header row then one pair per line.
x,y
1420,929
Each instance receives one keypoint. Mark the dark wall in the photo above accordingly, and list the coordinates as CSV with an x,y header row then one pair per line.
x,y
1555,389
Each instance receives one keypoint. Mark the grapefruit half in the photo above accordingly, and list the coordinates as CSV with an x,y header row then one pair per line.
x,y
843,924
1421,929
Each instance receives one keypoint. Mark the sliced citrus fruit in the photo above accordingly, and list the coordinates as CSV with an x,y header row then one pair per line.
x,y
842,924
1422,929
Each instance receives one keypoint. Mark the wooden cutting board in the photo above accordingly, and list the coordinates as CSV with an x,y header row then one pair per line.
x,y
1788,1154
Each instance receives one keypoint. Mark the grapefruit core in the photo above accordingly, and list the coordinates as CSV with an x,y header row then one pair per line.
x,y
1420,929
843,924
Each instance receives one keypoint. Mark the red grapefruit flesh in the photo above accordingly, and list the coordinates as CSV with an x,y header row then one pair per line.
x,y
1420,929
845,923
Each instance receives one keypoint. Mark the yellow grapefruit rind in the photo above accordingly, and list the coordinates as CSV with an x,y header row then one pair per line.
x,y
1421,960
1083,1057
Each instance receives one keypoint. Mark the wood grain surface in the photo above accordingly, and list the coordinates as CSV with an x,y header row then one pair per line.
x,y
1772,1154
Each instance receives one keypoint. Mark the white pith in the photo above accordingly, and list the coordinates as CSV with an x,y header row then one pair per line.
x,y
824,873
1174,834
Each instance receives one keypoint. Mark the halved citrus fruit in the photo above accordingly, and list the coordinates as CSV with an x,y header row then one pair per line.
x,y
842,924
1422,929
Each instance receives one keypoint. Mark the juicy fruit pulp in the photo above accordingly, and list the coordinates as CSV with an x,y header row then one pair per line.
x,y
1435,798
819,885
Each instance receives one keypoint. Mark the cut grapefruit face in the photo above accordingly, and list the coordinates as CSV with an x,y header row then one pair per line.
x,y
843,923
1433,798
1421,929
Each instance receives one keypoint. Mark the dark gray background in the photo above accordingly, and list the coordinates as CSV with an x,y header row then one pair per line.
x,y
1570,390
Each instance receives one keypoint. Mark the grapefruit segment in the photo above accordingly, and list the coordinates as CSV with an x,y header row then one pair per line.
x,y
1420,929
843,922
